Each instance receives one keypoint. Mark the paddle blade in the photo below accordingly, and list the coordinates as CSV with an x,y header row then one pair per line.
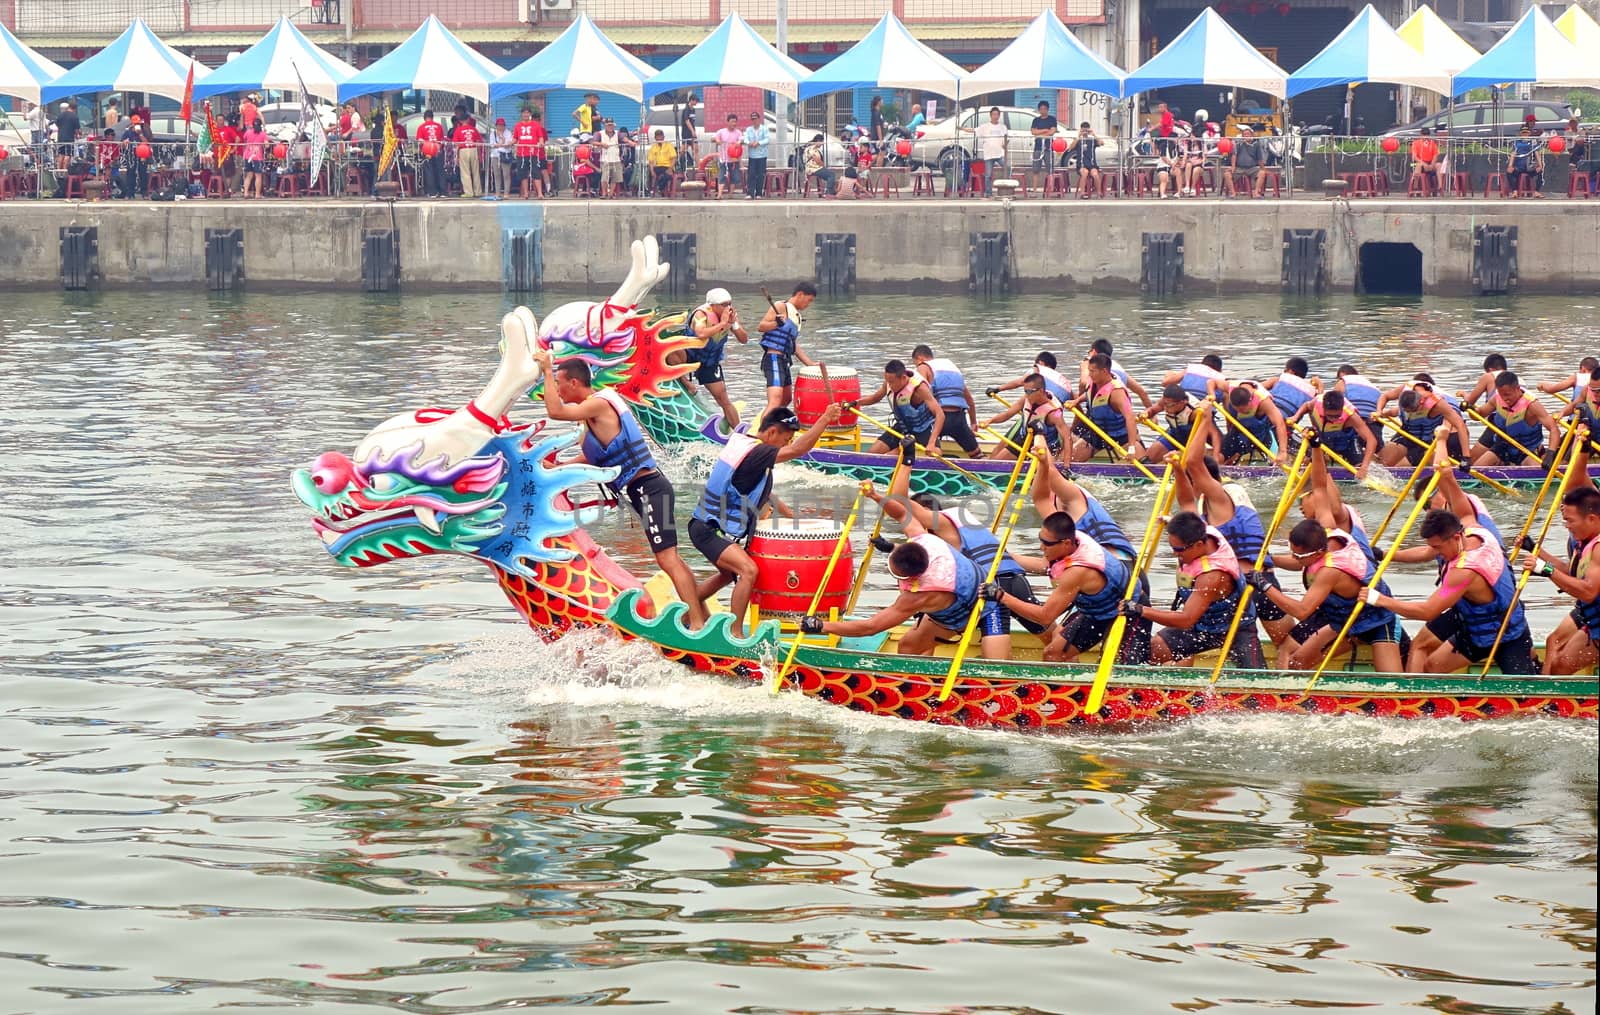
x,y
1108,660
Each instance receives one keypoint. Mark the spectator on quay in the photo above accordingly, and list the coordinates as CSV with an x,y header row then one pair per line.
x,y
1166,127
586,172
1524,163
728,138
662,157
1083,151
1043,128
1425,155
67,127
610,144
107,157
850,184
756,139
530,137
587,115
250,109
1245,161
431,130
113,115
688,134
136,181
877,130
231,136
255,158
630,158
991,138
917,120
368,164
1169,170
814,162
1194,164
358,126
500,141
469,155
37,119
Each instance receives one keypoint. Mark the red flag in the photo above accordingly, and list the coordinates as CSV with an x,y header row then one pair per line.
x,y
188,93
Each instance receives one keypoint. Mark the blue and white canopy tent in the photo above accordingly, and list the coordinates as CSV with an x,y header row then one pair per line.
x,y
1533,51
1369,50
136,62
280,62
432,59
23,72
1208,52
581,58
1046,55
734,54
888,57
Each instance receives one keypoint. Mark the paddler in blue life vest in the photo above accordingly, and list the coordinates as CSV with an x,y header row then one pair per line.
x,y
1293,387
735,494
1256,412
1339,426
1106,404
1209,584
1040,411
1102,346
1420,410
955,398
1044,365
780,343
1523,418
917,413
1173,416
1089,581
1363,396
1198,379
612,438
713,323
1572,647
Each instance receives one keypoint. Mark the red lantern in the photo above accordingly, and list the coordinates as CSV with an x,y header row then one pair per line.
x,y
1225,146
430,148
735,150
903,148
581,153
143,151
1283,10
1058,145
1558,144
4,154
1391,144
280,152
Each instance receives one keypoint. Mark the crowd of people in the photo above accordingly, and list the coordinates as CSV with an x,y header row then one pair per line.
x,y
1201,421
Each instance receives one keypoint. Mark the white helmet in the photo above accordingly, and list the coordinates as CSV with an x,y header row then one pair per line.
x,y
718,296
1201,114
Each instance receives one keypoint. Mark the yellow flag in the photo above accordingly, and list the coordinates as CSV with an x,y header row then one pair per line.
x,y
390,143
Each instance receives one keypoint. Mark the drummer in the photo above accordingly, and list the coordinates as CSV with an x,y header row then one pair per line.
x,y
612,438
780,343
738,489
917,413
950,388
713,323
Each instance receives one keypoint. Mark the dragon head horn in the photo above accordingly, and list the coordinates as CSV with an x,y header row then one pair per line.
x,y
644,274
518,371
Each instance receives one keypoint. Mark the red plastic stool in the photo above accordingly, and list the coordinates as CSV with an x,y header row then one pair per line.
x,y
1577,182
1496,182
1420,185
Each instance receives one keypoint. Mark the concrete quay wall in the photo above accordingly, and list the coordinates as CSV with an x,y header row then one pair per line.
x,y
905,243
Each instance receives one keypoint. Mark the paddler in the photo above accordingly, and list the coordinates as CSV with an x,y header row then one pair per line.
x,y
612,438
1572,646
955,398
737,490
1209,584
1199,379
780,343
1340,426
713,323
1466,611
1361,395
1570,387
1494,365
1174,415
1106,404
1294,387
1522,418
917,413
1039,409
1089,581
1044,365
1421,410
1585,406
1254,409
1102,346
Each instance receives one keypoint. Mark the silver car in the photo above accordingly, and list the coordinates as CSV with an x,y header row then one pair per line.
x,y
939,143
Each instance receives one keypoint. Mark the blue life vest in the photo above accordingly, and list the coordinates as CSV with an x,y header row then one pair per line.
x,y
712,350
1336,609
1421,424
949,386
1096,522
1338,435
910,417
1588,609
1290,392
721,504
955,615
1481,621
1219,615
1484,521
626,451
1107,416
1362,394
786,335
1105,604
1515,422
1195,379
978,545
1055,383
1245,534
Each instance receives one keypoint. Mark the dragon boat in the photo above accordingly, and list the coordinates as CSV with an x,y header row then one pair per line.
x,y
471,482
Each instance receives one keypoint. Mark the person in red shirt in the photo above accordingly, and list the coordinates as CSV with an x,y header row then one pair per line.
x,y
469,152
432,165
231,136
530,137
107,155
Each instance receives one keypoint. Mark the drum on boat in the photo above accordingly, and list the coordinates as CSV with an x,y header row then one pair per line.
x,y
791,559
811,395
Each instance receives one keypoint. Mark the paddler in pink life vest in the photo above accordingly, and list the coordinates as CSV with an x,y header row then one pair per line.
x,y
1209,585
1421,411
1254,409
1574,645
736,492
1340,426
1522,418
1103,347
1106,404
917,413
613,438
1039,411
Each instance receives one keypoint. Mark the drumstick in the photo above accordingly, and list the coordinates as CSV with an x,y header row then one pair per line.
x,y
827,385
776,312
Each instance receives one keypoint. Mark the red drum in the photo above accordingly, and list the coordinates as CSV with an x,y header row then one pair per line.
x,y
790,562
811,395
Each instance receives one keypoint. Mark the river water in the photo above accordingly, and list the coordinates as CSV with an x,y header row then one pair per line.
x,y
233,774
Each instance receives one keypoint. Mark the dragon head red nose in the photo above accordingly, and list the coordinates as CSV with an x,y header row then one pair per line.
x,y
334,473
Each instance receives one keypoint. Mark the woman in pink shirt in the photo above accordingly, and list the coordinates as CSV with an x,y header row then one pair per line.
x,y
255,157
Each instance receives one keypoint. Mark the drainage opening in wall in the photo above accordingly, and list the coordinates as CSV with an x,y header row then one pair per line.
x,y
1390,269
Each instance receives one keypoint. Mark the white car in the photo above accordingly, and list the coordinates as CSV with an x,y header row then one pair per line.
x,y
939,143
281,119
15,134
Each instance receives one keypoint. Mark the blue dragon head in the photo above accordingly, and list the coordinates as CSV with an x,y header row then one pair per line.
x,y
466,481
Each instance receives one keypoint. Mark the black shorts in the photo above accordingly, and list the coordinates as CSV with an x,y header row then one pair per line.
x,y
775,368
1082,633
957,429
1096,443
652,499
1236,443
996,619
1306,629
1514,656
1266,609
1415,452
708,539
1185,642
1508,453
709,372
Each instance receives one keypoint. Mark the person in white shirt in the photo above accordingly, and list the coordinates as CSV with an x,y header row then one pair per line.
x,y
501,144
610,160
991,139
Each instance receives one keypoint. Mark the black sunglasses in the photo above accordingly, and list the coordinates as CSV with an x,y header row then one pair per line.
x,y
1032,391
1182,549
1049,542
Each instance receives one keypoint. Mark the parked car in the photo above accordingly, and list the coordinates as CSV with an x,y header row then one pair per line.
x,y
169,128
666,119
281,119
14,138
939,143
1490,119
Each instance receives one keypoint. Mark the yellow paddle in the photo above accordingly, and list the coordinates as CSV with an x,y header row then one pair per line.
x,y
1369,482
866,555
1113,643
1411,481
1291,487
1544,530
1401,431
1383,565
994,565
776,683
1566,441
1241,428
886,428
1086,421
